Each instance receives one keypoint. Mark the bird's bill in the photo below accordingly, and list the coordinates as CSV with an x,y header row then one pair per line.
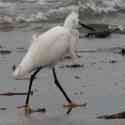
x,y
86,26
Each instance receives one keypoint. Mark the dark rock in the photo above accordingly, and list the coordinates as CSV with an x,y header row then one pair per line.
x,y
2,52
3,108
73,66
122,52
42,110
77,77
120,115
14,93
13,67
113,61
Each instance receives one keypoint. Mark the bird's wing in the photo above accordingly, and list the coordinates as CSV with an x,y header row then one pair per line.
x,y
50,47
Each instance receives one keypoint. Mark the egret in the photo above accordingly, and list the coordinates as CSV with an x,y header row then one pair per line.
x,y
49,48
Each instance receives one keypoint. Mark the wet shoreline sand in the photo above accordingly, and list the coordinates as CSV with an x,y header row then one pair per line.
x,y
99,82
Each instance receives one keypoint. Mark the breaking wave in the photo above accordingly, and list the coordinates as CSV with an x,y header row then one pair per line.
x,y
35,11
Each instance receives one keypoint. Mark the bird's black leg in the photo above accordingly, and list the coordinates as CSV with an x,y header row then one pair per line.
x,y
59,86
30,85
69,111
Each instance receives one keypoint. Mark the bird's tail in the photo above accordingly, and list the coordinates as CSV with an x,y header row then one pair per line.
x,y
18,72
21,72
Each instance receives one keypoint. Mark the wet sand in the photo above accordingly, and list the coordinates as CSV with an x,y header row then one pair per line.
x,y
100,83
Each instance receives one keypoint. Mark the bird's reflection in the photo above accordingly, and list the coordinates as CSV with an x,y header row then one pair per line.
x,y
70,108
69,111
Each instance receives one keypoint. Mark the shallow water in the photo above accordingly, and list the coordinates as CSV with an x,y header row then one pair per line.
x,y
28,14
100,83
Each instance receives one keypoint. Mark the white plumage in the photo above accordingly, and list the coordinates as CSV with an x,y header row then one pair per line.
x,y
50,47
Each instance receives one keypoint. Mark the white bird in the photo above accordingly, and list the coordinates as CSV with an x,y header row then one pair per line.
x,y
48,49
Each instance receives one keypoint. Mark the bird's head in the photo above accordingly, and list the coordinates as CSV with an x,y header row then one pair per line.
x,y
72,20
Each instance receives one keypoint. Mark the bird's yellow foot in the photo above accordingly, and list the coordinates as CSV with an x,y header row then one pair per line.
x,y
27,109
73,105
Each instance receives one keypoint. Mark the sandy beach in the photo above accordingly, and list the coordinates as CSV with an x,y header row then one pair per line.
x,y
99,83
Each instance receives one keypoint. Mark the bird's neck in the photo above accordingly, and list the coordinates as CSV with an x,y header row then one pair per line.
x,y
68,25
69,21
